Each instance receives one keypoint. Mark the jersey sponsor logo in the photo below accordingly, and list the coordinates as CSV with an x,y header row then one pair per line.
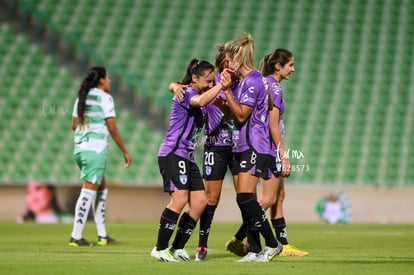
x,y
183,179
224,133
246,98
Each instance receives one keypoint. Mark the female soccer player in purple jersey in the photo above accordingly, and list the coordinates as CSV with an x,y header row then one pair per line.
x,y
218,154
252,145
181,176
276,66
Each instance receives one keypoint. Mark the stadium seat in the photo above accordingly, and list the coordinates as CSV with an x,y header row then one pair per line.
x,y
349,95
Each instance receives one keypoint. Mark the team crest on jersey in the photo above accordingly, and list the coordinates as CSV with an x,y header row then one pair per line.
x,y
208,170
279,166
183,179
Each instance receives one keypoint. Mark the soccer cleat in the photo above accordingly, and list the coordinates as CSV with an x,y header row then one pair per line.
x,y
236,246
162,255
268,253
290,250
251,257
180,255
201,254
81,242
104,241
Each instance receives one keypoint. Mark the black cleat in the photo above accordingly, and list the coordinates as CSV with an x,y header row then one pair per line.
x,y
104,241
81,242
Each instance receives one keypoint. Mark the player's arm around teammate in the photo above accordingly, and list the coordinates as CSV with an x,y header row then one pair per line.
x,y
181,176
217,151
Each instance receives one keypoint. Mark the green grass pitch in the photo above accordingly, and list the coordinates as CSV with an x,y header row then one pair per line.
x,y
334,249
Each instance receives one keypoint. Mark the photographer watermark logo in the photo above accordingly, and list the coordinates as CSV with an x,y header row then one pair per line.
x,y
53,109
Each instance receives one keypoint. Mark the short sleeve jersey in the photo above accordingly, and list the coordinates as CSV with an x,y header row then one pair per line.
x,y
184,126
276,92
218,128
93,134
254,132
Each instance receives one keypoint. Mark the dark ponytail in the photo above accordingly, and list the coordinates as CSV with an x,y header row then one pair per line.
x,y
197,67
90,81
266,68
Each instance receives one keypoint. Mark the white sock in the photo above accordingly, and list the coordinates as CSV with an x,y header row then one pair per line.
x,y
86,197
100,211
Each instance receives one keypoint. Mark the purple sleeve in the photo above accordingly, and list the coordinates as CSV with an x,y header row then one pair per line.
x,y
249,93
189,93
276,93
277,96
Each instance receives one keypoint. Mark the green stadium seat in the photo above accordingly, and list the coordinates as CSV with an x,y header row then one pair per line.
x,y
346,72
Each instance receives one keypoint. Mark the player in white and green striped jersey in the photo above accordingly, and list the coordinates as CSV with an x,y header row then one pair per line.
x,y
93,120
